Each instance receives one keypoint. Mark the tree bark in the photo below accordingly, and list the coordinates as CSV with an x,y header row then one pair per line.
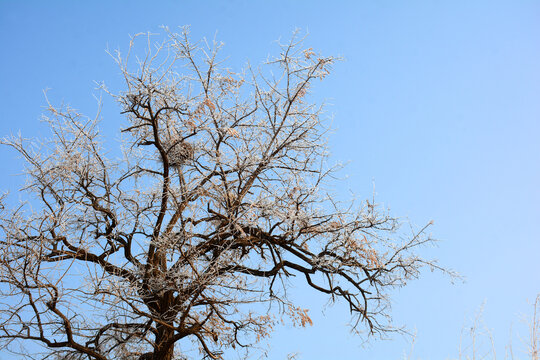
x,y
164,347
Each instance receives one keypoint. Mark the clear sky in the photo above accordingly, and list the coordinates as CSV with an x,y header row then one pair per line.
x,y
436,103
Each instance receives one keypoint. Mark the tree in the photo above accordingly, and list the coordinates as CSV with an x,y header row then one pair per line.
x,y
220,197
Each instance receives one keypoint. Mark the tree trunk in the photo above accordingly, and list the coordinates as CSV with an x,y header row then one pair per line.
x,y
164,347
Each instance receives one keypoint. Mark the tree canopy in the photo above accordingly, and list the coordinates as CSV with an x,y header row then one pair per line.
x,y
222,193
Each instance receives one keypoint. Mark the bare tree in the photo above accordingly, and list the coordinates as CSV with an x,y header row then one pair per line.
x,y
191,237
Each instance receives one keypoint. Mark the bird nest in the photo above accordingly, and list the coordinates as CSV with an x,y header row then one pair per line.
x,y
178,151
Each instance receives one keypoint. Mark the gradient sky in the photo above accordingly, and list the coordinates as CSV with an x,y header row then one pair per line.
x,y
436,103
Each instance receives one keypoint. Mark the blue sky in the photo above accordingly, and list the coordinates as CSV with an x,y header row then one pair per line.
x,y
436,103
